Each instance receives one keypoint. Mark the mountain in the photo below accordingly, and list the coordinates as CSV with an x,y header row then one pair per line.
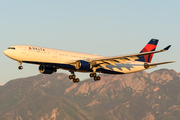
x,y
135,96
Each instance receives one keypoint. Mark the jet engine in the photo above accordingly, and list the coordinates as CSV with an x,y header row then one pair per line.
x,y
46,69
146,65
82,65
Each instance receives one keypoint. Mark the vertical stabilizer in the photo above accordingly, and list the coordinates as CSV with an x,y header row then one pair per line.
x,y
151,46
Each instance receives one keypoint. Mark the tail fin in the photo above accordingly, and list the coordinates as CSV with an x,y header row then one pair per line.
x,y
151,46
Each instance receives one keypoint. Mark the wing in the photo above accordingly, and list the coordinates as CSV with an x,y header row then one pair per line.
x,y
103,61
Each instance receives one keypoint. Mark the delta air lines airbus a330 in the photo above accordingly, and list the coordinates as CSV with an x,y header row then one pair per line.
x,y
49,60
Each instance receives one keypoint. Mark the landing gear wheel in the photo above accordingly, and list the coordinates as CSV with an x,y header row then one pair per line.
x,y
92,75
72,76
76,80
97,78
20,67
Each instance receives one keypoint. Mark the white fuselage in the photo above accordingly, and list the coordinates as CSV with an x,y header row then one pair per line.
x,y
40,55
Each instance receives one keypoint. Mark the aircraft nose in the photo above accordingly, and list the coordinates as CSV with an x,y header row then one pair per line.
x,y
6,52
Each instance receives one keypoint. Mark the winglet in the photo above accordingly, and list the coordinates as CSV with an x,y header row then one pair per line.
x,y
167,47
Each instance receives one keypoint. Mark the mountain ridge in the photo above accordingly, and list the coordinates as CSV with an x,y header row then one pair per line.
x,y
141,95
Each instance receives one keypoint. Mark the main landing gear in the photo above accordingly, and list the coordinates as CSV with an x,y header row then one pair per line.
x,y
20,67
96,78
72,76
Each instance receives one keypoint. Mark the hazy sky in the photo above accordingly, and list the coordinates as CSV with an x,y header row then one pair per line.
x,y
104,27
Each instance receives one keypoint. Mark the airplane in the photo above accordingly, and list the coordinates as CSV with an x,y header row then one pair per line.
x,y
49,60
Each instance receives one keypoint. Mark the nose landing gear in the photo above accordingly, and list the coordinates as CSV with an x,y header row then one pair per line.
x,y
20,67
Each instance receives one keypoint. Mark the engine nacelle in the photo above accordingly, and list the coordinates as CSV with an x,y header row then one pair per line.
x,y
46,69
146,65
82,65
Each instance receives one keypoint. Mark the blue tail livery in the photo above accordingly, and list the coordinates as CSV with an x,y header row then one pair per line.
x,y
151,46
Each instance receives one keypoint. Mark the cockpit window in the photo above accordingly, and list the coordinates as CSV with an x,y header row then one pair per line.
x,y
13,48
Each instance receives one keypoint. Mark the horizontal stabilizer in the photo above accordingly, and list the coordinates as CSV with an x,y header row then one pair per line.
x,y
153,64
147,65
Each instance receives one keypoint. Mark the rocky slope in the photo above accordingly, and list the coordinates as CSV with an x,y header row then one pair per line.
x,y
136,96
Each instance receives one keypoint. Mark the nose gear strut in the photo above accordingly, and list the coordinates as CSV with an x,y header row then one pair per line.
x,y
20,67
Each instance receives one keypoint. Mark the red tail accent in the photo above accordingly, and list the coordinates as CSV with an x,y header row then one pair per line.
x,y
148,48
151,46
